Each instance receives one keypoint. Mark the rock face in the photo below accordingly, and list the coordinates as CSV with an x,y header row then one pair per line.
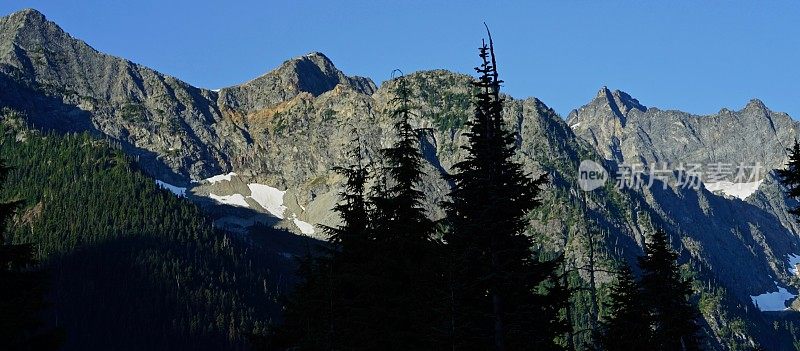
x,y
623,130
282,133
602,122
179,131
314,74
162,119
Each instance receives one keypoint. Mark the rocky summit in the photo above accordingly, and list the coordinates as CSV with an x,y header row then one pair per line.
x,y
263,152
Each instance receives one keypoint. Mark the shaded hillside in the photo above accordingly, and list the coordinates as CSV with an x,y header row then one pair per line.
x,y
132,266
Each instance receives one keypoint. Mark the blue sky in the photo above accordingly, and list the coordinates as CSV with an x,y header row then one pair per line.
x,y
678,55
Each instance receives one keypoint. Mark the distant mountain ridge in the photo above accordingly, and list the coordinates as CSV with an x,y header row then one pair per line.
x,y
623,130
286,129
152,114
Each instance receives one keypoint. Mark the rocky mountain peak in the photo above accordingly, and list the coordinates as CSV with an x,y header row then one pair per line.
x,y
313,73
31,16
619,101
604,119
603,92
26,26
607,106
756,105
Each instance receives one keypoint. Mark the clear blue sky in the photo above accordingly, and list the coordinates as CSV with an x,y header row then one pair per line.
x,y
696,58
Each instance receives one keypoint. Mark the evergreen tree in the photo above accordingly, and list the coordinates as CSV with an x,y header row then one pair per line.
x,y
353,234
326,310
790,177
22,290
627,327
405,254
667,295
495,273
376,287
401,205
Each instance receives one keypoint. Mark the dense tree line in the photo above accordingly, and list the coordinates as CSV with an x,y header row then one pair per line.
x,y
655,312
129,265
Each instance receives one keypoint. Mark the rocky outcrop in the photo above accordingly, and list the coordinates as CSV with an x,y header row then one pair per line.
x,y
603,121
624,131
314,74
165,121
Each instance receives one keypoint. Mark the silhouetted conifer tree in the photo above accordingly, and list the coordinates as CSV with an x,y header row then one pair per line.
x,y
672,315
22,289
495,275
328,309
376,288
627,327
405,253
790,177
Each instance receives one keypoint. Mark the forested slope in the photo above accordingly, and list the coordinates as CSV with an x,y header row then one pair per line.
x,y
132,266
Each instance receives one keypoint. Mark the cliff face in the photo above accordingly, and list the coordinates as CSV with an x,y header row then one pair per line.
x,y
281,134
623,130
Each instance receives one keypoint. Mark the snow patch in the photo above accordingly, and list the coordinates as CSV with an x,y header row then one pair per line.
x,y
794,260
271,199
219,178
305,227
739,190
234,200
180,192
773,301
575,125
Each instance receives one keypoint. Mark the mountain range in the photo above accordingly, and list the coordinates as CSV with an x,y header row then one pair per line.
x,y
262,152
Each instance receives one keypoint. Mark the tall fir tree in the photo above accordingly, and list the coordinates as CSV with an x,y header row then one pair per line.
x,y
326,310
672,315
22,291
495,275
790,176
376,287
627,327
405,260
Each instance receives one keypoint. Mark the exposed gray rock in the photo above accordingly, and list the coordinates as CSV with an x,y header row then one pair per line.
x,y
313,73
623,130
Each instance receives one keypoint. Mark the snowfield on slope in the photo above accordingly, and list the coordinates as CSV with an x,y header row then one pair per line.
x,y
219,178
271,199
793,260
305,227
739,190
773,301
178,191
233,200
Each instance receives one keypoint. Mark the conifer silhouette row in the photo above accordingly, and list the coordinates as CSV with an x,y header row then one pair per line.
x,y
654,313
376,286
388,283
